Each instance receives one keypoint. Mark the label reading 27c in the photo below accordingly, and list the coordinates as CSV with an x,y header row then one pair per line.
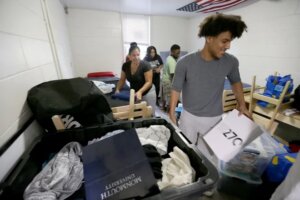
x,y
230,135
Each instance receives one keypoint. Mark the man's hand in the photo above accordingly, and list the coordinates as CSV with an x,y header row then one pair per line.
x,y
173,103
244,110
172,116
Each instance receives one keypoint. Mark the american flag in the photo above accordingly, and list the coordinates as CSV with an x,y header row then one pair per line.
x,y
207,6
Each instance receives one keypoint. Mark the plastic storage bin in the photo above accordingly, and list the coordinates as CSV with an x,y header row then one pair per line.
x,y
252,161
242,175
52,143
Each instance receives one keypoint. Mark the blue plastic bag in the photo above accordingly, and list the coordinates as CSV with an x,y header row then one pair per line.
x,y
274,88
279,167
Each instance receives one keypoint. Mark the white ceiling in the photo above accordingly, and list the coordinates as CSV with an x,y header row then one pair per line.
x,y
146,7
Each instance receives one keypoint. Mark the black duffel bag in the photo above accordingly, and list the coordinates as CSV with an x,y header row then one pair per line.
x,y
296,103
78,102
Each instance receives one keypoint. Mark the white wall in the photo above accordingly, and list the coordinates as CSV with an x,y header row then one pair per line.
x,y
60,34
194,42
271,43
166,31
97,44
26,59
96,41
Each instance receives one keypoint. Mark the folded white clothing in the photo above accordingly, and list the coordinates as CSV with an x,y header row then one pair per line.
x,y
177,170
104,87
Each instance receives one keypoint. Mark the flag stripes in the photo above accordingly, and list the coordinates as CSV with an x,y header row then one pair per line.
x,y
207,6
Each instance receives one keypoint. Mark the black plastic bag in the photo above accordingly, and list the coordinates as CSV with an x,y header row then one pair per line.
x,y
296,103
78,101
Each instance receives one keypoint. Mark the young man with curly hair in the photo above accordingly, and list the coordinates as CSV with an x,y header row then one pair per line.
x,y
200,77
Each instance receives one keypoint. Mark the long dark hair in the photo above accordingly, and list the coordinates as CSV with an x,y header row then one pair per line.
x,y
149,50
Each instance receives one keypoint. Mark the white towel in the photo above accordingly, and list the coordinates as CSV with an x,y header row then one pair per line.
x,y
177,170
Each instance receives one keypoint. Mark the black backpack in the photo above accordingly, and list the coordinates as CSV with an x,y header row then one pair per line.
x,y
296,103
78,102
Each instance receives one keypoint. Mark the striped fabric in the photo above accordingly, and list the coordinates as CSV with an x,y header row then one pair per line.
x,y
206,6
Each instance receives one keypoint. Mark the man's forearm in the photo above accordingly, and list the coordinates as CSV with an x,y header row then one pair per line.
x,y
237,89
173,101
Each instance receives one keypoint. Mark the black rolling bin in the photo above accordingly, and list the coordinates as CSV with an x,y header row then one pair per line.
x,y
51,143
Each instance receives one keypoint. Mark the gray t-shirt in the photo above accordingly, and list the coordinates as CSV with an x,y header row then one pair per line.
x,y
202,82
